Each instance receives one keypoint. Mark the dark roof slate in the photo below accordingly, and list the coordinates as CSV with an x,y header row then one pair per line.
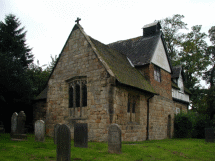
x,y
121,67
139,50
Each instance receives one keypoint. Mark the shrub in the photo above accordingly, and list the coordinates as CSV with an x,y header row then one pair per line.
x,y
182,126
202,122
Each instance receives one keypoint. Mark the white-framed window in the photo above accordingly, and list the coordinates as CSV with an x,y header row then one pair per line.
x,y
177,110
157,73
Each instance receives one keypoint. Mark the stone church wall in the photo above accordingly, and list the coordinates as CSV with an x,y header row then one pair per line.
x,y
39,110
133,125
78,59
159,110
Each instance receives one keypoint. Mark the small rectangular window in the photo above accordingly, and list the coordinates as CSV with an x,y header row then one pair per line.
x,y
157,74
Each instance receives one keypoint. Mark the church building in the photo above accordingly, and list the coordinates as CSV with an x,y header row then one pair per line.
x,y
131,83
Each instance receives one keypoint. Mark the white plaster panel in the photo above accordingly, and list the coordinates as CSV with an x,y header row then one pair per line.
x,y
160,57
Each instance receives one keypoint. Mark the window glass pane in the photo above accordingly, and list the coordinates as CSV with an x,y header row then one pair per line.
x,y
84,95
77,95
70,97
133,108
128,110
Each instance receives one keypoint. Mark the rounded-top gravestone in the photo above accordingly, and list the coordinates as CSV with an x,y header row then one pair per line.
x,y
114,139
55,132
21,122
40,131
63,143
14,123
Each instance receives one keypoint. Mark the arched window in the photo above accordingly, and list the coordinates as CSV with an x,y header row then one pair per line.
x,y
77,92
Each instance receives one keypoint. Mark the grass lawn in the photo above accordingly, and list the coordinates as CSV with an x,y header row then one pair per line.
x,y
168,149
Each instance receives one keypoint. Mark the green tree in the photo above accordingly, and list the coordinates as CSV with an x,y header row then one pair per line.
x,y
194,60
15,56
51,65
171,27
38,77
209,75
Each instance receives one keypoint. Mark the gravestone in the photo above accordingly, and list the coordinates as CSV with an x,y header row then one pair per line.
x,y
2,130
63,143
114,139
40,131
55,132
209,134
13,124
19,133
81,135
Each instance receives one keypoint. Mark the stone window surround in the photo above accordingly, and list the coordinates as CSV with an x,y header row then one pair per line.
x,y
76,112
132,108
157,73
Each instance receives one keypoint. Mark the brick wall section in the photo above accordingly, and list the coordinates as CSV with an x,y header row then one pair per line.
x,y
163,88
78,59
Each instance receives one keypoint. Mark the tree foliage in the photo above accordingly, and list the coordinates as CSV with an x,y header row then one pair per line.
x,y
15,57
192,52
209,75
38,77
194,60
171,27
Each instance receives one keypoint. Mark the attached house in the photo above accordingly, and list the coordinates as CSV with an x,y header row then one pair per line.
x,y
130,82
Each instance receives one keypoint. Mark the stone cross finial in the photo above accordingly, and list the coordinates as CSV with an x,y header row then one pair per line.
x,y
78,19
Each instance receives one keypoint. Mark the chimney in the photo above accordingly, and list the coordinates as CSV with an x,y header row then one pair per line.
x,y
151,29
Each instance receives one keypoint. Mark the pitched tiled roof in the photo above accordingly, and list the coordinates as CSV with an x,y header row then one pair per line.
x,y
121,67
175,74
139,50
176,71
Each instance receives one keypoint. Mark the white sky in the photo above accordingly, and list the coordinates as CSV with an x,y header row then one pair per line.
x,y
49,23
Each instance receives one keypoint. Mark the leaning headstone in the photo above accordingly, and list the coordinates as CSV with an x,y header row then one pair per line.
x,y
55,132
209,134
114,139
13,124
63,143
19,133
81,135
40,131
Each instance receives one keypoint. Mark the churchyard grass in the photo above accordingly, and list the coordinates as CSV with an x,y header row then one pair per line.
x,y
167,149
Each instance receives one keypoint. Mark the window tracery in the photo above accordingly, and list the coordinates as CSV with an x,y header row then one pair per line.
x,y
77,96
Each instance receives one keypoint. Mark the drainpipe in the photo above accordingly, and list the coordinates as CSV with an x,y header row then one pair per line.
x,y
147,127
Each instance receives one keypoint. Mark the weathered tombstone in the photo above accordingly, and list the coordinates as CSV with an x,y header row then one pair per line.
x,y
55,132
2,130
209,134
114,139
40,131
81,135
13,124
19,133
63,143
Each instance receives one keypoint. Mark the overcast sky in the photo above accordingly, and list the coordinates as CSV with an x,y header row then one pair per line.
x,y
49,22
